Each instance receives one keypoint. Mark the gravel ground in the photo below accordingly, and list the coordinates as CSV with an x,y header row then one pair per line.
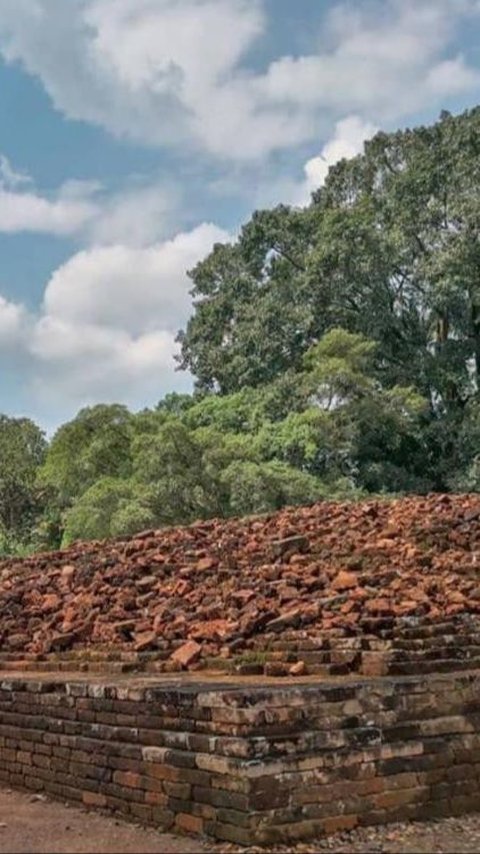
x,y
442,836
32,824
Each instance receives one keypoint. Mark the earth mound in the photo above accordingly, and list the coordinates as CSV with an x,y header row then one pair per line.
x,y
297,591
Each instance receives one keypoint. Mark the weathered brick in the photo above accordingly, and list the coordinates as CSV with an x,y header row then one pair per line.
x,y
189,823
177,790
159,799
220,798
386,800
129,779
164,818
94,799
338,823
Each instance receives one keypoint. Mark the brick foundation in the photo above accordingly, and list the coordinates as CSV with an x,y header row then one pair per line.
x,y
247,762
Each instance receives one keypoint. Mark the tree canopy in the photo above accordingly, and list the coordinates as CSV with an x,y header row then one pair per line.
x,y
335,350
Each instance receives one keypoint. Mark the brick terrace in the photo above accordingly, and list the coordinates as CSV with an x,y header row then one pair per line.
x,y
245,761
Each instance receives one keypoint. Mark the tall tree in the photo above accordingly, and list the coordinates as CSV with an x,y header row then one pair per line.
x,y
388,248
95,444
22,451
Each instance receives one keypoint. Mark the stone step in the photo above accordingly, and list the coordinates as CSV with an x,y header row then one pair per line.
x,y
412,668
450,651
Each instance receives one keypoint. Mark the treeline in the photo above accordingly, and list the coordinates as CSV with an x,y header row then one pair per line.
x,y
336,352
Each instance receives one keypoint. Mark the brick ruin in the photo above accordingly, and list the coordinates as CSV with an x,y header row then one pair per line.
x,y
257,681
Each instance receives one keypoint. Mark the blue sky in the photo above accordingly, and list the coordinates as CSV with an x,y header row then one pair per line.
x,y
136,133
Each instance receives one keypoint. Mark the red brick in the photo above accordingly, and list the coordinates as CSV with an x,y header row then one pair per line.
x,y
94,799
189,823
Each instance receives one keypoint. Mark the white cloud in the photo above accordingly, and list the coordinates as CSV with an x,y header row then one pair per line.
x,y
9,177
13,324
130,288
30,212
25,210
380,61
135,215
108,322
347,141
451,77
166,72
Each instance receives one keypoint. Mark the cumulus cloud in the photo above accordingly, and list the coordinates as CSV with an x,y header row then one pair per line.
x,y
347,141
135,215
9,177
29,212
380,60
23,209
108,322
166,72
14,324
130,288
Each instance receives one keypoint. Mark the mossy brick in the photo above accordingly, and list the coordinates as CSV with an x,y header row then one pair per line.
x,y
221,798
164,818
198,743
181,759
228,832
45,749
118,763
89,772
151,738
122,792
387,800
218,764
41,761
182,791
144,812
269,792
338,824
235,817
223,781
108,718
68,793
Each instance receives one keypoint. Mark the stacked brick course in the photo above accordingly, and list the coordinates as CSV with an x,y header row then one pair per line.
x,y
388,591
248,763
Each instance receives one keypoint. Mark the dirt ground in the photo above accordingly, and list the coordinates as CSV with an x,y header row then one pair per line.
x,y
30,824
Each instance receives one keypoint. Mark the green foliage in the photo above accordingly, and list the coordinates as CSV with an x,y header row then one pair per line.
x,y
389,248
107,509
22,450
335,350
96,444
260,487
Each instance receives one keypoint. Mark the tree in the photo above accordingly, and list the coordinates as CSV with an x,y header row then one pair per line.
x,y
389,248
240,333
22,451
94,445
111,507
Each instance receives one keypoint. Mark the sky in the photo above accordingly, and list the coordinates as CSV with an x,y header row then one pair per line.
x,y
134,134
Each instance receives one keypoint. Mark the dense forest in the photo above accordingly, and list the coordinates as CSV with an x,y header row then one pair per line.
x,y
335,350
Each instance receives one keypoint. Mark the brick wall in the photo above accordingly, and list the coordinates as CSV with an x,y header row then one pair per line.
x,y
245,762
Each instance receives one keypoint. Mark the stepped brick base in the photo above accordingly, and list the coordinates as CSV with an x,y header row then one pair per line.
x,y
244,761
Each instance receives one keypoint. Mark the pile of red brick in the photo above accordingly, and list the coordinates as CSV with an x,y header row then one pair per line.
x,y
334,569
